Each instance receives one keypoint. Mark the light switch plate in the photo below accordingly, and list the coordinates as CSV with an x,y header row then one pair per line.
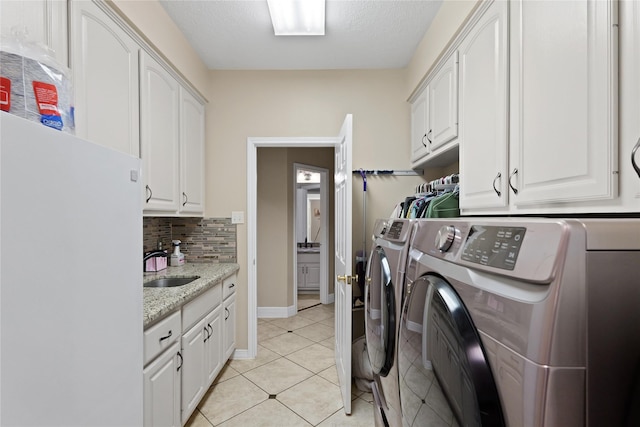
x,y
237,217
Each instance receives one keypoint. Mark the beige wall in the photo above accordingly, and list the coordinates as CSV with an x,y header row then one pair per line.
x,y
274,258
153,23
447,23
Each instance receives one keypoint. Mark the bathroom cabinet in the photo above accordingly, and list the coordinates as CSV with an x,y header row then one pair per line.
x,y
308,271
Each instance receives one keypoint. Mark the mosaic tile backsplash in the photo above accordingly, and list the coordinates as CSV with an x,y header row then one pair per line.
x,y
203,239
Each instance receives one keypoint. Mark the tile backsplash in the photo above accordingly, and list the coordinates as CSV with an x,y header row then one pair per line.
x,y
203,239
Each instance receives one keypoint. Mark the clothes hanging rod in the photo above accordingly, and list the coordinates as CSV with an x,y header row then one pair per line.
x,y
416,172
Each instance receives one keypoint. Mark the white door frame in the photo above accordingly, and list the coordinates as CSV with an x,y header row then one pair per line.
x,y
253,143
324,248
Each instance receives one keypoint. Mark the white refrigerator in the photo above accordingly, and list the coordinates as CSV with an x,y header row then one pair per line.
x,y
70,280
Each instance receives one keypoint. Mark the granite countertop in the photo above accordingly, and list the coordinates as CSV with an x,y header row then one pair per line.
x,y
159,302
314,250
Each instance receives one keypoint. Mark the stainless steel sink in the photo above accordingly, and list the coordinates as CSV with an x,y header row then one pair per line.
x,y
170,282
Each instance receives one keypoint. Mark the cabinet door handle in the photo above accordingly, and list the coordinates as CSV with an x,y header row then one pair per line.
x,y
206,332
226,310
185,198
633,157
422,140
494,184
429,133
515,171
150,193
233,285
181,361
165,337
211,328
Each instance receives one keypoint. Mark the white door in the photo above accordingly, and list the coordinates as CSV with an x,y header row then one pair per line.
x,y
343,260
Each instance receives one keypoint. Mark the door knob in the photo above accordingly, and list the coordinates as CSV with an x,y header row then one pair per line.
x,y
348,279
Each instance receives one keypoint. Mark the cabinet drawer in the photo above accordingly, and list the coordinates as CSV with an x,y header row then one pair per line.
x,y
199,307
308,257
229,286
160,336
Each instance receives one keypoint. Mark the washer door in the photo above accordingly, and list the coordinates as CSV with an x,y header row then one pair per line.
x,y
444,373
380,316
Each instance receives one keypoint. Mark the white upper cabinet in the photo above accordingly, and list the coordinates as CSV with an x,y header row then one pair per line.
x,y
45,21
419,126
564,102
443,109
159,126
104,59
434,117
630,105
483,111
192,119
539,120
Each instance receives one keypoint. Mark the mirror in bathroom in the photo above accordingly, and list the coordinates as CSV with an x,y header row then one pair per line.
x,y
308,207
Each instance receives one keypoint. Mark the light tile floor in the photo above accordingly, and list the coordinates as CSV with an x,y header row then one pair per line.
x,y
292,381
308,300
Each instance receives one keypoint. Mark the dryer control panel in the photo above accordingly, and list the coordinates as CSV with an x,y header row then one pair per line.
x,y
495,246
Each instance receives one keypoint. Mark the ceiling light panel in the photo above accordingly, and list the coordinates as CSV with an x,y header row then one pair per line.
x,y
297,17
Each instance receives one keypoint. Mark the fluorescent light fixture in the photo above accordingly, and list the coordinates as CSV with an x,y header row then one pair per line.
x,y
297,17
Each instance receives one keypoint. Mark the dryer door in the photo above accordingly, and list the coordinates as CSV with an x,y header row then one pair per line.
x,y
380,317
444,372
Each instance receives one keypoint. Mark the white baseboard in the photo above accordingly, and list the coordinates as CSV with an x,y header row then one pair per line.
x,y
331,298
241,354
276,312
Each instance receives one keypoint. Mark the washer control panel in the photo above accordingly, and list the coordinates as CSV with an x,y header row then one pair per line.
x,y
395,230
445,237
495,246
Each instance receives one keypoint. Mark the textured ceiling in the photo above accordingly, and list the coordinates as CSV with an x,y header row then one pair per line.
x,y
360,34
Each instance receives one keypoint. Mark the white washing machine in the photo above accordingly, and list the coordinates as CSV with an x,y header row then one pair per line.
x,y
383,302
520,322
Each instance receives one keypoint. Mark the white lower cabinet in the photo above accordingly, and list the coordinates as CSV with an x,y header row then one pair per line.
x,y
161,374
202,352
229,306
162,389
185,352
229,326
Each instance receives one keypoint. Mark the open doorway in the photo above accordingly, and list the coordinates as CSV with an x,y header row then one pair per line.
x,y
311,231
274,266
